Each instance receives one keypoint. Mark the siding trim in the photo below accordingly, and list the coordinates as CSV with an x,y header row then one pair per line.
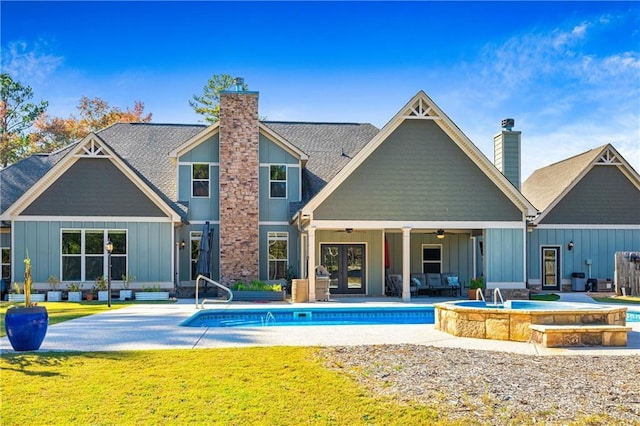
x,y
586,226
452,131
79,151
355,224
92,219
623,165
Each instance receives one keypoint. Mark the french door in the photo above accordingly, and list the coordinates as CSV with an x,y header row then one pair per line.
x,y
550,268
346,266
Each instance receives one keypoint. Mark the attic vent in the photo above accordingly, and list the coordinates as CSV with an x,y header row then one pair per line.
x,y
508,123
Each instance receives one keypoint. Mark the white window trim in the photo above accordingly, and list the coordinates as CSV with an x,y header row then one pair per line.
x,y
193,236
439,246
200,180
286,181
83,255
277,236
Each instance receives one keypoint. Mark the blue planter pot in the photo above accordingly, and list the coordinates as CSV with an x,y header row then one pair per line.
x,y
26,327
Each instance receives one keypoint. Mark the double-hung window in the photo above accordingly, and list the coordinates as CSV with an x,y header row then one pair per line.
x,y
200,180
278,254
432,258
278,181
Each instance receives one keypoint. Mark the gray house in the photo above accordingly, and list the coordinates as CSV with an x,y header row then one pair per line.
x,y
276,198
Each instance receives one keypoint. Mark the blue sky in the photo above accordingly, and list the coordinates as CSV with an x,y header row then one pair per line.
x,y
569,73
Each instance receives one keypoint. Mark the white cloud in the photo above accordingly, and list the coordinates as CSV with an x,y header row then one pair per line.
x,y
29,64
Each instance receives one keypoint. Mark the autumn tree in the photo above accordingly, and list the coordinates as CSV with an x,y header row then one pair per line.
x,y
208,104
17,115
93,115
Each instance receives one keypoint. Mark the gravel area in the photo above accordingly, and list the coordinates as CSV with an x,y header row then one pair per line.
x,y
498,388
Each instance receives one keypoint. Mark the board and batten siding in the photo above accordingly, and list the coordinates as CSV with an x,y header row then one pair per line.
x,y
419,174
93,187
504,256
149,251
201,208
603,196
599,245
277,209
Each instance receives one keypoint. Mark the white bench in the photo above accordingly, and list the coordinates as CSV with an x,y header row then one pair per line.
x,y
556,336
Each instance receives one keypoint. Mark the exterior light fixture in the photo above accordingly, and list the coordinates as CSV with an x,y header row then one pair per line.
x,y
440,234
349,230
109,247
570,245
182,245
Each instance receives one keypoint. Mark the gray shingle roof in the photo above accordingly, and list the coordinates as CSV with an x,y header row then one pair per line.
x,y
545,185
145,146
17,178
330,146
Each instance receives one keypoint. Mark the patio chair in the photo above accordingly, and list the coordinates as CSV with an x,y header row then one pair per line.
x,y
418,283
450,279
394,285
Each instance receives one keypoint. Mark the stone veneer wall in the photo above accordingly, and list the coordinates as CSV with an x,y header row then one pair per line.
x,y
239,186
513,325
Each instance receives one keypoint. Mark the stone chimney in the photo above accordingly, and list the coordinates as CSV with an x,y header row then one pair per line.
x,y
239,185
506,152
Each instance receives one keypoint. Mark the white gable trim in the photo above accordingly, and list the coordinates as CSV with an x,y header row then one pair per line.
x,y
608,157
92,146
195,140
283,143
422,107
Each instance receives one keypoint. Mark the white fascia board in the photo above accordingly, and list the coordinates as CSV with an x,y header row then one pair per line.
x,y
283,143
624,167
454,133
195,140
587,226
14,211
393,224
138,219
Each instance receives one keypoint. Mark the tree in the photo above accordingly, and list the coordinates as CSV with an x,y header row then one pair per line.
x,y
94,114
17,115
208,104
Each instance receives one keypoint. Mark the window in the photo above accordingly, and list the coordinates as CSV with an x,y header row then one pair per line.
x,y
194,238
432,259
85,258
200,180
278,181
278,255
6,265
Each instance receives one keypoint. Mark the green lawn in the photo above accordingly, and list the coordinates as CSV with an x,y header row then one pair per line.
x,y
544,297
618,299
254,386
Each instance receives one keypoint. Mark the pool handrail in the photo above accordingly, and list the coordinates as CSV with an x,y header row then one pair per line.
x,y
479,294
217,284
496,294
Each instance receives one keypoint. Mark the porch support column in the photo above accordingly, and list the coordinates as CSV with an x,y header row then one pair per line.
x,y
406,264
311,241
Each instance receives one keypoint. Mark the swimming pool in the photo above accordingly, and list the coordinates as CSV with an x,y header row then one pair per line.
x,y
307,316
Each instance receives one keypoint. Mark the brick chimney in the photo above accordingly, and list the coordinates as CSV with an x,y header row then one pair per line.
x,y
239,185
506,152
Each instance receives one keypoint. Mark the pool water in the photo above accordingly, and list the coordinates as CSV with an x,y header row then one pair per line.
x,y
299,316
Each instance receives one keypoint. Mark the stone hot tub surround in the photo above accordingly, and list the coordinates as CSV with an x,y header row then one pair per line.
x,y
475,319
